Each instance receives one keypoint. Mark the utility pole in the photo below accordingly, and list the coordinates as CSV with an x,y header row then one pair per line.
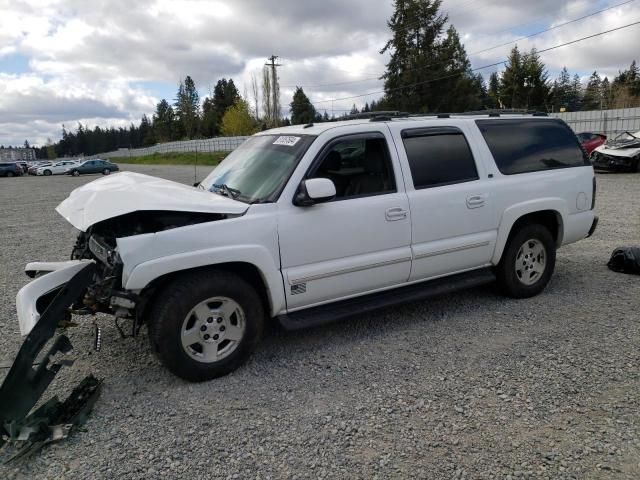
x,y
275,88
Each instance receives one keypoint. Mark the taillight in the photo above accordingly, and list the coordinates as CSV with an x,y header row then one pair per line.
x,y
593,195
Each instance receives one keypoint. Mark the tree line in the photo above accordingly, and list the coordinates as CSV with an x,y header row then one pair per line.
x,y
428,72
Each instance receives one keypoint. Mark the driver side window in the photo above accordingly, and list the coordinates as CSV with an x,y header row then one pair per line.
x,y
358,166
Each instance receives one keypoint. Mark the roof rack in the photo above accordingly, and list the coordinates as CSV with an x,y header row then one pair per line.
x,y
386,116
379,116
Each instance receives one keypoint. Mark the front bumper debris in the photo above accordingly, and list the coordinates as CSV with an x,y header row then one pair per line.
x,y
24,385
31,296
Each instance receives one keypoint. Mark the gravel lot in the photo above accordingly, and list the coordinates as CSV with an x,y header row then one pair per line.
x,y
470,385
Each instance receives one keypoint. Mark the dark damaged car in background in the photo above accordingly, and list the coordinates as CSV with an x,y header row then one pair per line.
x,y
620,154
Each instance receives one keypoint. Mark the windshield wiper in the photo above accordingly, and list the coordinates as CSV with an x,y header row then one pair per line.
x,y
228,191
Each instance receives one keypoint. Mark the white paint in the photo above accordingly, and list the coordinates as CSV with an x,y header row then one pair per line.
x,y
60,273
128,192
343,248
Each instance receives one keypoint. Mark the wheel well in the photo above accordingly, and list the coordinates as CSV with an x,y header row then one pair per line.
x,y
550,219
249,272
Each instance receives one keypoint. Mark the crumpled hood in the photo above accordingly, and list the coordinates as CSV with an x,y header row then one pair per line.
x,y
629,151
127,192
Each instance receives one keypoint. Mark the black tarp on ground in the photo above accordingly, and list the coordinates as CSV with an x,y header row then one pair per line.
x,y
625,260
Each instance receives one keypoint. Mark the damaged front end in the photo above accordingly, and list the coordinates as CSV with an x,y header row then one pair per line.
x,y
24,385
106,212
620,154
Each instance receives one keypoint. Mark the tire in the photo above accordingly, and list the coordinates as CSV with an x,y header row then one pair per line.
x,y
9,174
635,164
521,275
75,173
47,172
175,316
106,171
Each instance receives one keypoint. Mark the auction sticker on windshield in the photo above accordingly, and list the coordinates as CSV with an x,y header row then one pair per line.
x,y
287,140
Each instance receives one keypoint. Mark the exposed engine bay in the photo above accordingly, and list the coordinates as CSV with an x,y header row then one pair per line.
x,y
99,243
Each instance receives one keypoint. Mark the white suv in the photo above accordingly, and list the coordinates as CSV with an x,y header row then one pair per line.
x,y
309,224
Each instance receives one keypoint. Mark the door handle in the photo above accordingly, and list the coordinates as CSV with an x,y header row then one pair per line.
x,y
475,201
395,213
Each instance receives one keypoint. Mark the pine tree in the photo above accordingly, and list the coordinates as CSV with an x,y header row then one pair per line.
x,y
188,107
415,47
163,121
561,91
575,94
536,82
493,92
593,93
512,81
302,111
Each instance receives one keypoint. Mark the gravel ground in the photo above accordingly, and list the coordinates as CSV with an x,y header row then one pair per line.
x,y
470,385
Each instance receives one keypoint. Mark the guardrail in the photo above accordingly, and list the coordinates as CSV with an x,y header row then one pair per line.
x,y
217,144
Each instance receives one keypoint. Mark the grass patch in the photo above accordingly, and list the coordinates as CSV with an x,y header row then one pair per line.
x,y
183,158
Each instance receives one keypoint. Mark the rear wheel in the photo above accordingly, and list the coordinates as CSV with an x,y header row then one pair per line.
x,y
9,174
527,262
205,325
635,164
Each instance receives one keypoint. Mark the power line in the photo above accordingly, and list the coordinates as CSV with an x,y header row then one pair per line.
x,y
351,82
479,68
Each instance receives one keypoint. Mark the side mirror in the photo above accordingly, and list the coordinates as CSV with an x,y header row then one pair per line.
x,y
314,190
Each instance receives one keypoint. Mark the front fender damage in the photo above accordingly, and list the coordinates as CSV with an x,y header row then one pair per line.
x,y
24,385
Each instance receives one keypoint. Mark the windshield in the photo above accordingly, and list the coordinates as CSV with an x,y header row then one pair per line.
x,y
259,168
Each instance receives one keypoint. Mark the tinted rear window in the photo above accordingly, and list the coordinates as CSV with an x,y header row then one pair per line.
x,y
438,156
531,145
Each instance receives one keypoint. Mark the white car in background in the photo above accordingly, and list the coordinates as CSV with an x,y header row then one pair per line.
x,y
59,168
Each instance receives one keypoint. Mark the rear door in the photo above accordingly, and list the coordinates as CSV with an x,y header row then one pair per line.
x,y
357,243
453,223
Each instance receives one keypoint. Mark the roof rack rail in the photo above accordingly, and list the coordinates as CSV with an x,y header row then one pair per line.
x,y
378,116
385,116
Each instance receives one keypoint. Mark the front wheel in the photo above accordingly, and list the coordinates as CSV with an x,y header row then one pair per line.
x,y
47,172
106,171
205,325
527,262
75,173
9,174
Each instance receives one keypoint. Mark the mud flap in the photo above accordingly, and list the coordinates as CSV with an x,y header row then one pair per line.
x,y
24,385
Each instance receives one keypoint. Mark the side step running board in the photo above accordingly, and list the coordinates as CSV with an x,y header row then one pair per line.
x,y
346,308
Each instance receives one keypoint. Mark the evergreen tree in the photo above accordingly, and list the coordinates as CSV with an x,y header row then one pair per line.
x,y
163,122
512,81
575,94
592,99
493,92
605,93
354,110
302,111
536,82
188,107
561,96
417,28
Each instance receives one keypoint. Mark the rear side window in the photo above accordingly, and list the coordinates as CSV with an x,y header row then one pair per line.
x,y
438,156
531,145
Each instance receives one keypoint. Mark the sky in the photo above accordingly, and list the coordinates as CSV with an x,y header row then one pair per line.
x,y
109,62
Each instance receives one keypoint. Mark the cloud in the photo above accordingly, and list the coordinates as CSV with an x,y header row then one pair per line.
x,y
90,61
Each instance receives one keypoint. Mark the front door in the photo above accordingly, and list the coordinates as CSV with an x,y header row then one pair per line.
x,y
357,243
